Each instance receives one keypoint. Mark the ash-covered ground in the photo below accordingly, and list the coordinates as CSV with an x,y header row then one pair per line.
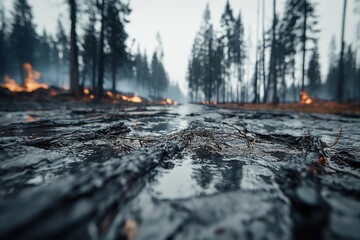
x,y
99,171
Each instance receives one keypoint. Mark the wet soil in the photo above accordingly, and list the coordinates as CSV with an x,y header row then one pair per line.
x,y
100,171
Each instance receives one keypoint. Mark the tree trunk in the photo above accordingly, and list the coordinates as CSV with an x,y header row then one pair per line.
x,y
93,71
274,101
113,80
304,46
340,91
113,73
255,82
263,52
294,87
99,89
257,49
74,64
237,92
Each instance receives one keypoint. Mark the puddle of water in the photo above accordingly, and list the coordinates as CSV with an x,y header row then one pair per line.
x,y
180,181
195,177
36,180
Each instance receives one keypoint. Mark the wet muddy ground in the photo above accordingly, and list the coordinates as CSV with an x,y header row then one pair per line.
x,y
85,171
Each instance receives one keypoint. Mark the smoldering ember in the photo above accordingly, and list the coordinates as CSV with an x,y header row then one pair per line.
x,y
252,134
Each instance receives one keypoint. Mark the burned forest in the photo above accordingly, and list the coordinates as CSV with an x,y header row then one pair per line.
x,y
132,119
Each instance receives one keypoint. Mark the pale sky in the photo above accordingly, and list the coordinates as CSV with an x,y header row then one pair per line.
x,y
177,21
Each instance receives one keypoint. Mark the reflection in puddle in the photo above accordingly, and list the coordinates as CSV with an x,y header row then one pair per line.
x,y
179,182
36,180
195,177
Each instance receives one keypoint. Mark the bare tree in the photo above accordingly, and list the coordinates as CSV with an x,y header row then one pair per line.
x,y
263,51
304,45
341,63
74,64
273,46
99,89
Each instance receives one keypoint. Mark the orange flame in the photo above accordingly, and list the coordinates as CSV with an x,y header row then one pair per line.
x,y
305,98
135,98
110,94
65,87
86,91
168,101
207,102
11,85
31,119
30,84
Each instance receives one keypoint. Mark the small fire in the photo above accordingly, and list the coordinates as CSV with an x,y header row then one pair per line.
x,y
168,101
11,85
31,119
30,84
110,94
207,102
305,98
135,98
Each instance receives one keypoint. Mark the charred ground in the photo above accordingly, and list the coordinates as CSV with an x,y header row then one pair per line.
x,y
73,170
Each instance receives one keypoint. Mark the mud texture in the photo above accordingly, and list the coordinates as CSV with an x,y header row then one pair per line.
x,y
100,171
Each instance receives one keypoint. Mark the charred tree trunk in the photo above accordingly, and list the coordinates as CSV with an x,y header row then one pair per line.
x,y
74,64
294,87
257,62
274,101
256,82
99,89
113,74
304,46
237,92
263,52
93,70
340,91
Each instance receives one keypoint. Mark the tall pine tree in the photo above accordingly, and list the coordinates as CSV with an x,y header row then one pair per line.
x,y
314,72
22,37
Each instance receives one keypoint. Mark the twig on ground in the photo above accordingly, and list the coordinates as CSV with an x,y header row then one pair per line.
x,y
285,142
337,139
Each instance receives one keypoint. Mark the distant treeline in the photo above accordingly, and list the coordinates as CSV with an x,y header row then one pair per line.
x,y
219,59
99,53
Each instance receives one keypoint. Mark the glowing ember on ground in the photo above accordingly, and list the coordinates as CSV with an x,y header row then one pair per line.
x,y
305,98
31,119
110,94
135,98
30,84
168,101
207,102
